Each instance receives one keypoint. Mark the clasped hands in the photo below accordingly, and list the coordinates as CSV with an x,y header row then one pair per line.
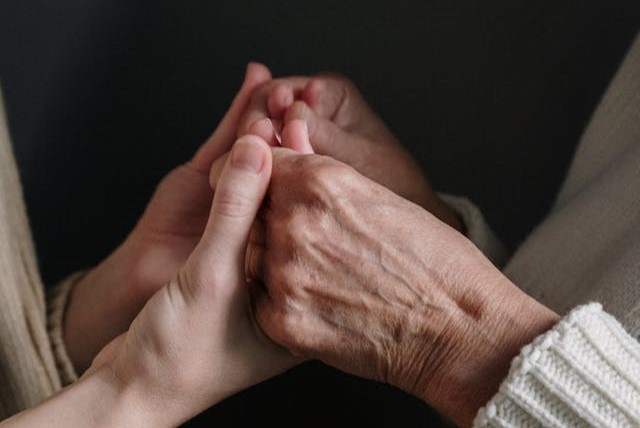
x,y
301,229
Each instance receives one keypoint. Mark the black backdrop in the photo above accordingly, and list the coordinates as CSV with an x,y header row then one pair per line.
x,y
104,97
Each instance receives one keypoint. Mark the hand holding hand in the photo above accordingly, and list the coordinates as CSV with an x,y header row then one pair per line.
x,y
106,300
343,126
195,342
370,283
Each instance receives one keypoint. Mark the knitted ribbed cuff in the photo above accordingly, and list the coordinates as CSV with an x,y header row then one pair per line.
x,y
478,231
583,372
57,300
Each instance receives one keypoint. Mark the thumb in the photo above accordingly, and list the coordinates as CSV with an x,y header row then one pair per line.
x,y
239,193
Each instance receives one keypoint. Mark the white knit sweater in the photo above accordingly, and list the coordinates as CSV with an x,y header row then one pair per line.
x,y
586,370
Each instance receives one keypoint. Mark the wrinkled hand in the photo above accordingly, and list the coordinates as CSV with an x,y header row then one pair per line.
x,y
343,126
372,284
195,342
106,300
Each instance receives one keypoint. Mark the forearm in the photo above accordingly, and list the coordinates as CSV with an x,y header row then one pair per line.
x,y
97,400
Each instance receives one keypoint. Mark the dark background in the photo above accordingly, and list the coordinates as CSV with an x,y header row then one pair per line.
x,y
104,97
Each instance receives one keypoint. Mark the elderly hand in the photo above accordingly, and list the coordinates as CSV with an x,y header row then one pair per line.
x,y
195,342
374,285
106,300
343,126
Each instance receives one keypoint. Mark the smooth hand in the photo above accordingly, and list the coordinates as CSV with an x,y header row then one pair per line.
x,y
374,285
106,300
195,342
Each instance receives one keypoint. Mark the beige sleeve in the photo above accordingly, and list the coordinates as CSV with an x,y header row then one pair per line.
x,y
478,231
57,300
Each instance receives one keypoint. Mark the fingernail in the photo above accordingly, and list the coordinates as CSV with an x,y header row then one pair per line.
x,y
248,155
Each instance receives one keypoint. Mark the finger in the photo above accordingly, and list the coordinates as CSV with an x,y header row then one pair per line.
x,y
254,263
280,100
257,233
262,129
281,155
239,194
263,309
295,136
224,135
258,107
325,136
326,95
265,129
335,98
216,170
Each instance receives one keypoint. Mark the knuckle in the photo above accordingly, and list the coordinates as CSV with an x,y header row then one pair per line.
x,y
323,176
284,281
264,314
253,263
250,270
298,227
232,202
277,277
289,330
273,320
347,89
188,282
313,174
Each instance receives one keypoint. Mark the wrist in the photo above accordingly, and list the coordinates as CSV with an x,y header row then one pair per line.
x,y
435,205
448,215
120,403
133,402
97,400
477,350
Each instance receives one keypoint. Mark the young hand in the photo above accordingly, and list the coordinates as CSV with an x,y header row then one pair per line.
x,y
105,301
195,342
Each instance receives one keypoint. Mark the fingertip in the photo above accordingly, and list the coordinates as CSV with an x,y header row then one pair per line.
x,y
295,136
326,94
280,99
222,137
257,73
250,153
312,93
265,129
299,110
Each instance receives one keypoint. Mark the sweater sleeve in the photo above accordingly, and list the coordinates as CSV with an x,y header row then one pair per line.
x,y
57,300
583,372
478,231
